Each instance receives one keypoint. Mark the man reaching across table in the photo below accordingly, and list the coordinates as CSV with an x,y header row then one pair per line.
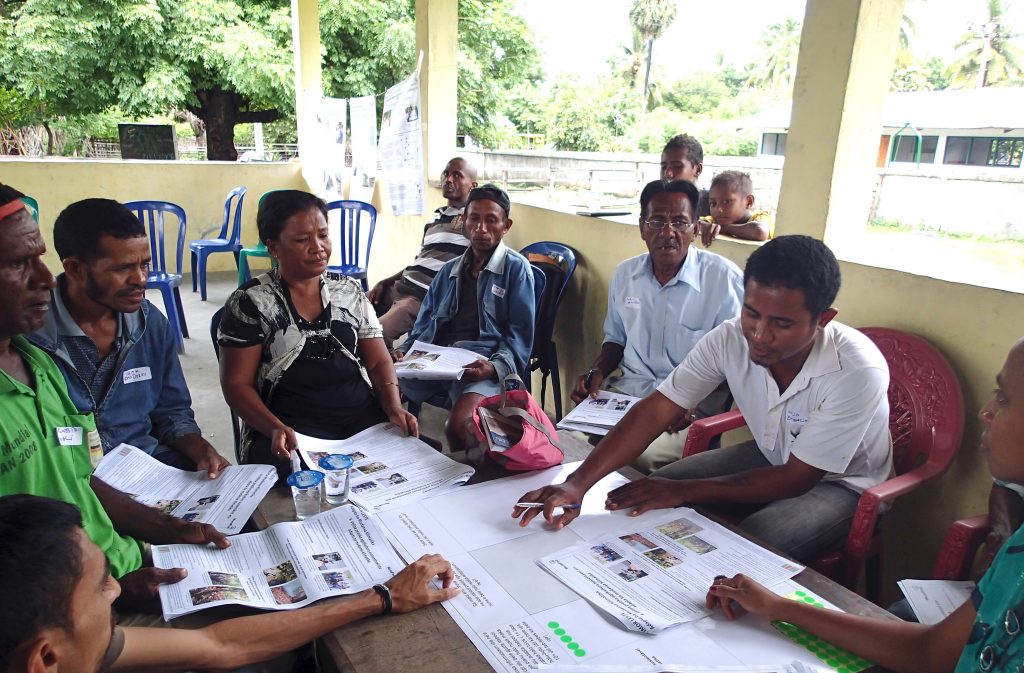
x,y
813,392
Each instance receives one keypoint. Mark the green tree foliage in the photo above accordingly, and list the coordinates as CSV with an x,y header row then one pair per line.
x,y
775,68
701,94
591,117
987,54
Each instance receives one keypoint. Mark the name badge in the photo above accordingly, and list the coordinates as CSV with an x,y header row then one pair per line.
x,y
795,424
137,374
69,436
633,302
498,292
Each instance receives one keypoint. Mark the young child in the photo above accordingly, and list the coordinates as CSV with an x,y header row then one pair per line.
x,y
683,159
731,201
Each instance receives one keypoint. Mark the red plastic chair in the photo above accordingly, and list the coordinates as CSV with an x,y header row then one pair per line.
x,y
926,419
959,547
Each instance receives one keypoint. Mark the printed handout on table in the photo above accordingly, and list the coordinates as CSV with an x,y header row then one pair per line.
x,y
521,617
225,503
434,363
657,575
286,566
598,415
934,600
389,469
792,667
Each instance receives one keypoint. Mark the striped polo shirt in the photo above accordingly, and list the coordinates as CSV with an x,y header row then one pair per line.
x,y
444,239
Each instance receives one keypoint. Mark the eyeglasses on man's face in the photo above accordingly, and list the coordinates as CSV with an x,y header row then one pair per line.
x,y
679,224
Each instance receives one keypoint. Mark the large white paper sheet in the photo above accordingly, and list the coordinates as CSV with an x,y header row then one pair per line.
x,y
598,415
792,667
363,114
401,147
654,576
434,363
521,617
390,469
284,567
934,600
225,503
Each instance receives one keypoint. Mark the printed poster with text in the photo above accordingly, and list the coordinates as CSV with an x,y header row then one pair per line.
x,y
401,147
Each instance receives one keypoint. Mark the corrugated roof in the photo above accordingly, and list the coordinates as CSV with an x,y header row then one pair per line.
x,y
991,107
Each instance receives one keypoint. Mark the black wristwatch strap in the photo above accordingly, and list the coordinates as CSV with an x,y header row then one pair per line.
x,y
385,594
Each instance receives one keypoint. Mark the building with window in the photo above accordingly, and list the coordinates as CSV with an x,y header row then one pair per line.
x,y
961,127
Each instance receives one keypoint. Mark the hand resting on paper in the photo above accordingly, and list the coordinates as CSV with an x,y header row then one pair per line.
x,y
553,497
479,370
411,589
140,589
646,494
739,594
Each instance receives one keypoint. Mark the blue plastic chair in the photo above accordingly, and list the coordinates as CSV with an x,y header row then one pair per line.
x,y
442,400
545,355
224,242
357,217
32,205
151,214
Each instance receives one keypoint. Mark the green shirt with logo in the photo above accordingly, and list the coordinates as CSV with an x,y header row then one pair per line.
x,y
44,451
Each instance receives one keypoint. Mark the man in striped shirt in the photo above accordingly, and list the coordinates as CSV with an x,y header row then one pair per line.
x,y
397,299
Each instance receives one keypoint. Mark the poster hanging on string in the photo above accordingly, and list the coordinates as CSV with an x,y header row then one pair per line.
x,y
401,147
363,139
331,123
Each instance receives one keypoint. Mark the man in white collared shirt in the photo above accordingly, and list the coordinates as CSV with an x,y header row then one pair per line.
x,y
660,304
812,390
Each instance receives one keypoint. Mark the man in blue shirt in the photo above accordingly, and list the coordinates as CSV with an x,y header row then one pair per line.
x,y
482,301
659,305
115,349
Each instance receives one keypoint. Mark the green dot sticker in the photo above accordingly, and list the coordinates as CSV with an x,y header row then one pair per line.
x,y
580,653
559,632
573,646
552,625
566,639
834,657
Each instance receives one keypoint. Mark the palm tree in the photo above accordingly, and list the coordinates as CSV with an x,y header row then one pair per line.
x,y
986,55
627,64
776,67
650,18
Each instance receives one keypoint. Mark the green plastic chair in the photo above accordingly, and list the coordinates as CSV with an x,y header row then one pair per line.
x,y
33,206
258,250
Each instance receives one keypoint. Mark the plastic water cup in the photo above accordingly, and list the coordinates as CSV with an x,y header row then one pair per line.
x,y
337,468
306,488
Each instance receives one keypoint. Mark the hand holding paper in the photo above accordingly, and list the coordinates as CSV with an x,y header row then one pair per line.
x,y
566,496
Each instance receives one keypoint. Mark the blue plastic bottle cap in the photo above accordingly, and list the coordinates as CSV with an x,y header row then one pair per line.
x,y
336,461
305,479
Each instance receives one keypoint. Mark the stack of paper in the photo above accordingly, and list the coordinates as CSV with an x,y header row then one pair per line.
x,y
934,600
434,363
389,469
598,415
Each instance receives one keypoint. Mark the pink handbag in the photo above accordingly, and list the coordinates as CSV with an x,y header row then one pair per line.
x,y
538,447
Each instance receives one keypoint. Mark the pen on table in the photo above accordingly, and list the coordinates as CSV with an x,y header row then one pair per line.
x,y
536,505
296,463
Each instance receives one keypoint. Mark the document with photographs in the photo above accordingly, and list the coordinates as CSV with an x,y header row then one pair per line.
x,y
434,363
389,469
521,617
225,503
598,415
289,565
656,575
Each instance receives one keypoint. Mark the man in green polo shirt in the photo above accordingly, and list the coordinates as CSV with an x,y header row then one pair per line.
x,y
44,440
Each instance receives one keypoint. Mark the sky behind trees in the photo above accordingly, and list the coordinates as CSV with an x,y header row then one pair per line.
x,y
579,36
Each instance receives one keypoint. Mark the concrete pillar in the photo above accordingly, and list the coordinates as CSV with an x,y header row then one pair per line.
x,y
847,49
308,76
437,36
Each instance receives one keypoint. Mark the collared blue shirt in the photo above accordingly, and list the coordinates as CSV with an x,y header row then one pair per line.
x,y
657,324
505,294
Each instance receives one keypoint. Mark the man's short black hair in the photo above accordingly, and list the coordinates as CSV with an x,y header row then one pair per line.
x,y
797,263
672,187
690,146
40,565
734,180
8,194
279,205
79,227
